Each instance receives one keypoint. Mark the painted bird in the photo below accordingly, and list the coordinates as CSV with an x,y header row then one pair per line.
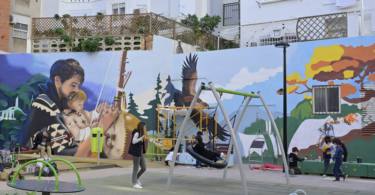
x,y
189,82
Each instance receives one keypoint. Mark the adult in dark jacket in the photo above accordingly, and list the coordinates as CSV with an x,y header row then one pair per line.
x,y
41,141
137,150
345,153
199,148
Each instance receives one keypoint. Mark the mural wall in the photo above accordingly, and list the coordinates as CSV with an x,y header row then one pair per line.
x,y
28,95
348,63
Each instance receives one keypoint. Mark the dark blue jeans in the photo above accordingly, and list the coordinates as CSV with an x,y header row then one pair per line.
x,y
198,164
336,168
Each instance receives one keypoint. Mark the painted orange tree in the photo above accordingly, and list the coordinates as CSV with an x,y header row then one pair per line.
x,y
338,62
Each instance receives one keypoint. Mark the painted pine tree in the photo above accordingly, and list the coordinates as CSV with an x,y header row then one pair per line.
x,y
151,113
133,107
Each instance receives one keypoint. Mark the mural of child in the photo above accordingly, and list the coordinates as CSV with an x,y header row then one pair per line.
x,y
78,120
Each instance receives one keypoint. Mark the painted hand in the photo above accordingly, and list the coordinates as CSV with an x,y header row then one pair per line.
x,y
107,118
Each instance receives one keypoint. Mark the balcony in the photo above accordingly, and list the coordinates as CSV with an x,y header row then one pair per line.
x,y
330,26
130,31
312,28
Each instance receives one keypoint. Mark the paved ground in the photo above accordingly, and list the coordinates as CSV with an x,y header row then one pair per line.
x,y
205,181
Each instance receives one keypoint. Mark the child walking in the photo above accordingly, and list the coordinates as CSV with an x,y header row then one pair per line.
x,y
338,160
327,154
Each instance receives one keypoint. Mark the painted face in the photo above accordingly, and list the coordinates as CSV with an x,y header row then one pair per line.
x,y
76,105
70,87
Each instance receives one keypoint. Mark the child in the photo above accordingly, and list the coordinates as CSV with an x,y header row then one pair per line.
x,y
199,148
338,160
197,163
169,157
326,154
76,119
293,158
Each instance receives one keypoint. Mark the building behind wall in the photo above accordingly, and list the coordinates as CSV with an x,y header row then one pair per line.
x,y
4,23
21,12
266,22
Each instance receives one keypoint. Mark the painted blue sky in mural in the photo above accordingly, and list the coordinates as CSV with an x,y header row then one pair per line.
x,y
246,70
18,68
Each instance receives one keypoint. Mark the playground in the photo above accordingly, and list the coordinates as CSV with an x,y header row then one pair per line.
x,y
202,181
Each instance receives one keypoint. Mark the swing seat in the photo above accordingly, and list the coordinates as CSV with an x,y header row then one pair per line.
x,y
205,160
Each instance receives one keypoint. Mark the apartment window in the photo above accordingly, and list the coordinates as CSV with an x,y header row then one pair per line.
x,y
115,9
122,8
327,99
118,8
231,13
20,31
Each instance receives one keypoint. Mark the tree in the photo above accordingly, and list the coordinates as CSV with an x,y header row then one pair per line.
x,y
338,62
152,112
133,107
205,25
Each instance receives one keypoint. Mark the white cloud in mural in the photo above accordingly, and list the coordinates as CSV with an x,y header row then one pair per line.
x,y
241,80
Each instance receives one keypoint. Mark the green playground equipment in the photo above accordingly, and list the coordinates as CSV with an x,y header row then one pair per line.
x,y
67,162
34,161
232,131
40,186
221,90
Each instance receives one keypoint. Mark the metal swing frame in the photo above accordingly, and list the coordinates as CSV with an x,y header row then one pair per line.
x,y
232,132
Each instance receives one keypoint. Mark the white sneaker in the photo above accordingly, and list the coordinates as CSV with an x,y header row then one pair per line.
x,y
139,183
137,186
325,176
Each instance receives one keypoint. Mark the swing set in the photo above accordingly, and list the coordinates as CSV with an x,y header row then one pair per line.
x,y
233,140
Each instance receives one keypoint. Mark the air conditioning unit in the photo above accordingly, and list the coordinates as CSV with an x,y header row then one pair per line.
x,y
139,11
12,19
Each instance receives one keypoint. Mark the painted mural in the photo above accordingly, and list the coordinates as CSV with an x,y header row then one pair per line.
x,y
68,95
116,90
350,66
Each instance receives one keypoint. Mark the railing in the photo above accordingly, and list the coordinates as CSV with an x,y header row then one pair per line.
x,y
268,40
322,27
368,18
117,25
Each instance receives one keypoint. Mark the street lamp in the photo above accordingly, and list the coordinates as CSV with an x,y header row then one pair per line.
x,y
285,144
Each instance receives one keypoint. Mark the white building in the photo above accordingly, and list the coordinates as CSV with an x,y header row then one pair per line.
x,y
263,20
250,22
175,9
